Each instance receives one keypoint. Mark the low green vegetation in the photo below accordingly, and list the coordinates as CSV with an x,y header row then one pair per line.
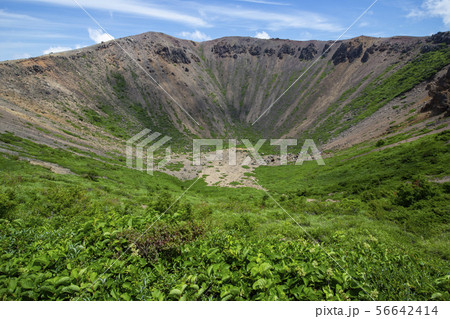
x,y
174,166
391,185
110,233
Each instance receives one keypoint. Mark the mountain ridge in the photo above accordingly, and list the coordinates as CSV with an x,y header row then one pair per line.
x,y
99,94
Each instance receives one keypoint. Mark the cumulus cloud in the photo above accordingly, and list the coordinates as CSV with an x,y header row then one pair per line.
x,y
440,8
196,36
262,35
433,8
56,49
99,36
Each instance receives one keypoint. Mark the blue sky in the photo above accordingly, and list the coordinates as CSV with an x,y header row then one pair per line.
x,y
35,27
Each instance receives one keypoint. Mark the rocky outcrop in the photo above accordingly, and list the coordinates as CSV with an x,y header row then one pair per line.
x,y
428,48
325,50
285,50
269,52
174,55
308,53
439,92
365,57
340,56
195,58
347,52
354,53
225,50
35,69
441,37
255,50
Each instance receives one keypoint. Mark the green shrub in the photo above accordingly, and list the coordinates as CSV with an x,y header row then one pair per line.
x,y
92,175
410,193
443,136
7,201
380,143
446,187
62,201
9,138
161,240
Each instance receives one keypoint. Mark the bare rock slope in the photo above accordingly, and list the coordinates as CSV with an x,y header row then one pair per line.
x,y
97,97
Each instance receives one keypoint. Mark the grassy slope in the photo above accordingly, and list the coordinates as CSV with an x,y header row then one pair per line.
x,y
389,186
59,233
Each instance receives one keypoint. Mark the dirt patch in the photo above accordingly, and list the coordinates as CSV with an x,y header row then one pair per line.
x,y
441,180
222,171
55,168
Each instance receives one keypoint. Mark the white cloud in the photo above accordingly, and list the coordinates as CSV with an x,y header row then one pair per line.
x,y
24,23
99,36
16,20
56,49
208,14
59,48
273,20
196,36
416,13
135,7
262,35
433,8
32,34
439,8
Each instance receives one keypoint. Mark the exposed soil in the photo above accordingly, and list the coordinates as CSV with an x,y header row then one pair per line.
x,y
55,168
223,171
